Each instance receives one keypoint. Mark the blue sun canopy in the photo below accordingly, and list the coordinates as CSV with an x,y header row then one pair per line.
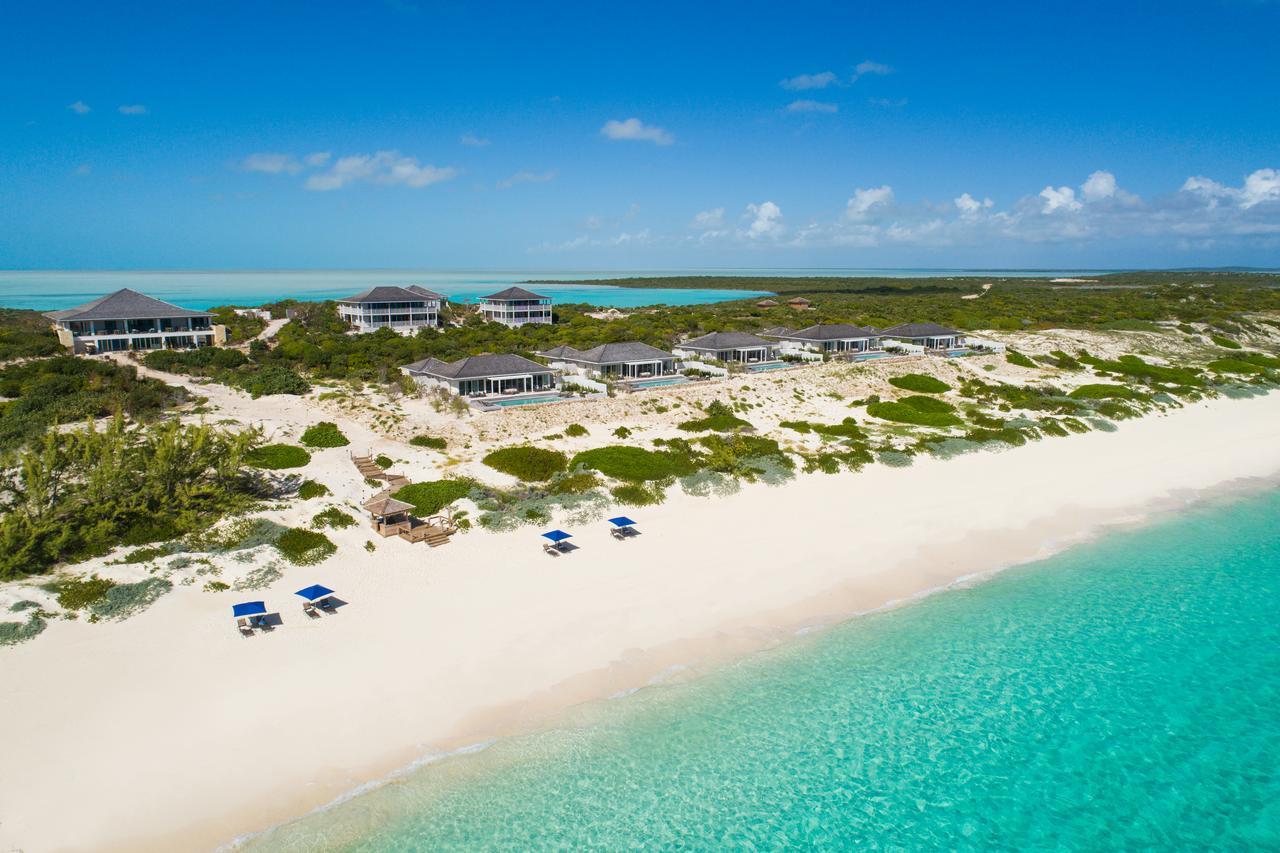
x,y
249,608
621,521
558,535
314,591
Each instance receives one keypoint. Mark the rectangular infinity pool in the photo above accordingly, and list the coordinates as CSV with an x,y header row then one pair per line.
x,y
768,365
867,356
660,383
523,401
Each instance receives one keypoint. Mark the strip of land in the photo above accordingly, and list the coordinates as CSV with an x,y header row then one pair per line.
x,y
170,731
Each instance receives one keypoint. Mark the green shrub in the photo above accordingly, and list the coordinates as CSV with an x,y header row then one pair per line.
x,y
216,586
1100,391
324,434
1224,342
145,555
716,423
848,428
311,489
277,456
304,547
928,405
429,441
1131,365
575,430
270,379
383,461
1003,436
1017,358
332,517
530,464
1234,365
12,633
634,464
635,494
895,458
622,432
79,593
907,414
126,599
434,495
919,382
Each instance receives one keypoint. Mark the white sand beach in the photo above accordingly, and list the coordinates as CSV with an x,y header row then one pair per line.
x,y
169,731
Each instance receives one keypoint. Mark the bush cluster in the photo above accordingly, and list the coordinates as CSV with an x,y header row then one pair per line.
x,y
304,547
275,457
429,441
324,434
920,383
530,464
430,497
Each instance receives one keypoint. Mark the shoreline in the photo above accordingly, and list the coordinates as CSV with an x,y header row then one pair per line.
x,y
515,638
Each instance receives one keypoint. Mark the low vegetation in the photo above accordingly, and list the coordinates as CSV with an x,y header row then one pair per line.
x,y
530,464
276,457
304,547
334,518
719,418
919,383
430,497
311,489
634,464
324,434
429,441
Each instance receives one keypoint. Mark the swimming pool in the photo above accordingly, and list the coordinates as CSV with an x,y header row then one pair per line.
x,y
767,365
867,356
661,383
522,401
955,353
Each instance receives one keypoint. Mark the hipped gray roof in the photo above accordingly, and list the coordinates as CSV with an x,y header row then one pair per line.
x,y
393,293
514,293
562,351
613,353
726,340
918,330
477,366
125,304
830,332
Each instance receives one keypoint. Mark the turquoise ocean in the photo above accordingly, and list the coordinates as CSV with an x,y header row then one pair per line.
x,y
1124,694
54,289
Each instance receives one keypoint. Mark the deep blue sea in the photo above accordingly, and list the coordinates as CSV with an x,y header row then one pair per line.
x,y
48,290
1123,695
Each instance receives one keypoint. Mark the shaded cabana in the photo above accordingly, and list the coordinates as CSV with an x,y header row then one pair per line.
x,y
390,516
249,614
316,595
622,527
558,541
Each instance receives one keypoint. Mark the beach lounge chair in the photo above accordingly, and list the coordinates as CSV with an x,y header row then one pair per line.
x,y
623,527
310,609
245,629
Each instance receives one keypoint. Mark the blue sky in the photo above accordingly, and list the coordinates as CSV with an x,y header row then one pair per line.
x,y
414,134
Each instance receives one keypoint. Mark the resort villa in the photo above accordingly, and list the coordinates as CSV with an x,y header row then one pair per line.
x,y
729,346
401,309
830,338
515,306
631,360
799,303
128,320
481,375
927,335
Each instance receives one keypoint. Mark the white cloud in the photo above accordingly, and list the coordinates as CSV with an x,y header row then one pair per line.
x,y
863,200
473,140
132,109
887,102
388,168
866,67
766,221
634,129
1261,186
271,163
317,159
709,219
1098,186
79,107
967,204
1062,198
526,177
811,107
801,82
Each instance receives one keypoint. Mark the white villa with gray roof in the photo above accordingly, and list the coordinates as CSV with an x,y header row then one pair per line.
x,y
483,375
927,335
128,320
827,338
729,346
404,310
629,360
515,307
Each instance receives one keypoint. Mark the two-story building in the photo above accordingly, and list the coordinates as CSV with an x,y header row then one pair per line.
x,y
128,320
402,309
515,306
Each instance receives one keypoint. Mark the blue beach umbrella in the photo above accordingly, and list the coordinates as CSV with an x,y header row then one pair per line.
x,y
622,521
314,591
249,608
557,536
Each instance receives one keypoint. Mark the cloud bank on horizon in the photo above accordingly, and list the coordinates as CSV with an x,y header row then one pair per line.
x,y
851,138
